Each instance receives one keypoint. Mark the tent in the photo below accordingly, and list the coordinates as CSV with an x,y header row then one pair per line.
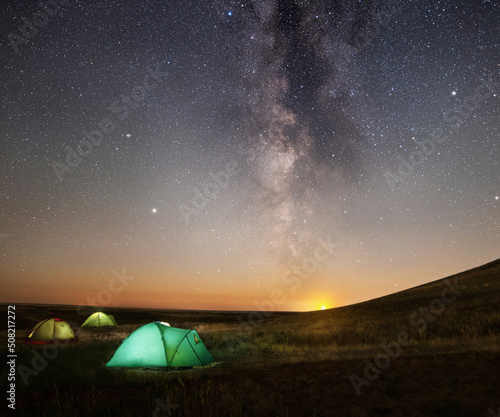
x,y
99,319
51,331
156,345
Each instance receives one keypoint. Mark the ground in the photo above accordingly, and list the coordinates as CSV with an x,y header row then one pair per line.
x,y
325,363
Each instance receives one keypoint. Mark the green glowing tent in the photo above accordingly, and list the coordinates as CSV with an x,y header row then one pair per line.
x,y
156,345
51,331
100,320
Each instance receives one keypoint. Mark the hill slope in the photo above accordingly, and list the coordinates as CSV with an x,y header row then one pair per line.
x,y
460,312
481,287
289,364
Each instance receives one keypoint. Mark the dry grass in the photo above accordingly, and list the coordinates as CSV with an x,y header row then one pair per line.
x,y
290,364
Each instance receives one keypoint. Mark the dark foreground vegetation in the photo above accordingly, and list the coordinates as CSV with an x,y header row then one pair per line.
x,y
433,350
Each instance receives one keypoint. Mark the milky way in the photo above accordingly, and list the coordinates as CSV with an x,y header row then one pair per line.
x,y
280,73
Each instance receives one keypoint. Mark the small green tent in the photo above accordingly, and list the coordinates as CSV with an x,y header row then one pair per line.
x,y
156,345
99,319
51,331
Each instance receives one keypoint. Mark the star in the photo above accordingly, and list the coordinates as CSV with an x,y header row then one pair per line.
x,y
332,134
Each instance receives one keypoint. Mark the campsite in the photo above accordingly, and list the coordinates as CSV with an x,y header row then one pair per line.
x,y
250,208
348,361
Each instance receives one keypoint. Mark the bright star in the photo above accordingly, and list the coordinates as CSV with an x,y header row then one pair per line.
x,y
453,93
229,13
154,210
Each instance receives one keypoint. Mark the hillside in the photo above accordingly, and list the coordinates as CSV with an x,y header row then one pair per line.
x,y
466,319
288,364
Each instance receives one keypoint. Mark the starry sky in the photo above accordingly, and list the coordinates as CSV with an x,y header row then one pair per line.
x,y
223,153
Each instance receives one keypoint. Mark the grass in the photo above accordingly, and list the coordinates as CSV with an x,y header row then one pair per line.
x,y
288,365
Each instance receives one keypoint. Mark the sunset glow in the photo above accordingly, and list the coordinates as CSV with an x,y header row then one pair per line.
x,y
267,158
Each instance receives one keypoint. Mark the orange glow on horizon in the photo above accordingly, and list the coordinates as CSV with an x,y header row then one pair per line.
x,y
230,291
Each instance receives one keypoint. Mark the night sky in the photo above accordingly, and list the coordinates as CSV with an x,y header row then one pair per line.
x,y
224,153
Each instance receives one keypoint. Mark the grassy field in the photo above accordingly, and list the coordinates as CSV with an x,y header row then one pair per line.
x,y
432,350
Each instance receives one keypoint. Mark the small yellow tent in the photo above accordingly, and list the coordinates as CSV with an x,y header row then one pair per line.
x,y
99,319
51,331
